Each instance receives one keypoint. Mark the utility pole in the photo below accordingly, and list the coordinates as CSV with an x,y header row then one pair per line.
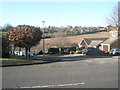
x,y
43,40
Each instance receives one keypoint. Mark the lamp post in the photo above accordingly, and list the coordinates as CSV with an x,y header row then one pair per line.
x,y
43,40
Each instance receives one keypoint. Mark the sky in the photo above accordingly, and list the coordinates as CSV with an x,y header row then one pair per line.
x,y
55,13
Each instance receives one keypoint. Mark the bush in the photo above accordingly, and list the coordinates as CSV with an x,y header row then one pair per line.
x,y
54,50
68,49
81,48
5,46
78,52
39,53
5,53
64,50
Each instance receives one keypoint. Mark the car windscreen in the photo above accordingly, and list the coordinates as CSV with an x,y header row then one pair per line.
x,y
117,49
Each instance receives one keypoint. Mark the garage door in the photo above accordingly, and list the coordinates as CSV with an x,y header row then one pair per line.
x,y
105,48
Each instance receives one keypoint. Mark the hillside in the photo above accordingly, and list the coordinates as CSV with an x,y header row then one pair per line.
x,y
71,39
77,39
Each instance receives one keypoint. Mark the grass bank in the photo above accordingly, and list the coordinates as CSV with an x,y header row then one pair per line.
x,y
3,32
16,59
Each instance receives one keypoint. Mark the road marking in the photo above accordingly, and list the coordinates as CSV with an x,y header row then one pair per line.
x,y
117,57
59,85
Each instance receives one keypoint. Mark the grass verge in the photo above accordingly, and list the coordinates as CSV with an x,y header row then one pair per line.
x,y
3,32
31,59
16,59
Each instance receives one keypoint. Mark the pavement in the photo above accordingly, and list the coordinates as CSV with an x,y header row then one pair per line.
x,y
52,59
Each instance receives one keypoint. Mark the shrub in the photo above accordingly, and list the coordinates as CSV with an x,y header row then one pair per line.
x,y
39,53
67,51
53,50
78,52
4,46
5,53
81,48
64,50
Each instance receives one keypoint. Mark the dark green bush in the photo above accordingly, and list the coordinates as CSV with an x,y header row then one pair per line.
x,y
40,52
68,48
5,46
62,50
81,48
78,52
53,50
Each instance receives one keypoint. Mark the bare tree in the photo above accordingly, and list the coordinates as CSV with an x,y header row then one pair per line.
x,y
114,17
61,40
119,14
7,27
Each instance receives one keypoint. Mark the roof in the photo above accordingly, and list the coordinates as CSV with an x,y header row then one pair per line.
x,y
110,41
89,40
95,43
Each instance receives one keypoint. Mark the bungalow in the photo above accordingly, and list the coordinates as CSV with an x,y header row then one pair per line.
x,y
105,44
112,42
103,28
91,42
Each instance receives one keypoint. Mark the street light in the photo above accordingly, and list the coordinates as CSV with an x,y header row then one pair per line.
x,y
43,40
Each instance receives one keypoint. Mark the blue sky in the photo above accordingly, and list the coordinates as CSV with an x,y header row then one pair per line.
x,y
56,13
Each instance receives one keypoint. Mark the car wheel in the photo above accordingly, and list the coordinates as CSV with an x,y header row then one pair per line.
x,y
113,53
86,53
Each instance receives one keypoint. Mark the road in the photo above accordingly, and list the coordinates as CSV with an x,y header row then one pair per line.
x,y
71,72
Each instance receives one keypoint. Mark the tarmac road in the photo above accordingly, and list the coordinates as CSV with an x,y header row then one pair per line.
x,y
72,72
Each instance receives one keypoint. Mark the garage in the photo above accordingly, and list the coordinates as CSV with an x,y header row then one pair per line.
x,y
105,48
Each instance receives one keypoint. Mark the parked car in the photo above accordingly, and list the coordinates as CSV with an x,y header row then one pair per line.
x,y
115,51
22,53
16,52
72,52
92,51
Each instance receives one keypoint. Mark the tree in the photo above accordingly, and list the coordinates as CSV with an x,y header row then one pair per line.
x,y
119,14
5,46
114,17
7,27
25,36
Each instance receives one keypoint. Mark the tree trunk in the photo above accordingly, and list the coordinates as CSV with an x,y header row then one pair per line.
x,y
19,50
13,51
26,51
59,50
29,52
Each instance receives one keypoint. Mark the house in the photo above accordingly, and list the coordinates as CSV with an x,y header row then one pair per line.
x,y
105,44
91,42
103,28
112,42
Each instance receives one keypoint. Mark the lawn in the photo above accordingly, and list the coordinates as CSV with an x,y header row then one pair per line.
x,y
16,59
3,32
23,59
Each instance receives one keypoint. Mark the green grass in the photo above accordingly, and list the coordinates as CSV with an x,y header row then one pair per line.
x,y
31,59
19,59
3,32
16,59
